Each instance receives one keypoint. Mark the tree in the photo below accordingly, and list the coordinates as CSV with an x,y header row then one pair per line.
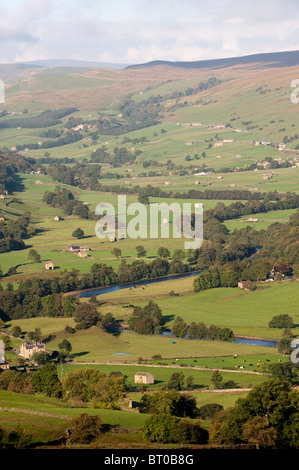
x,y
81,383
169,401
91,384
41,358
33,256
34,335
141,251
179,328
65,348
284,346
282,371
178,255
163,252
12,270
191,432
46,381
160,428
69,305
16,331
86,315
275,405
6,341
143,198
81,210
190,382
209,410
176,381
258,432
78,233
281,321
116,252
85,428
225,334
217,380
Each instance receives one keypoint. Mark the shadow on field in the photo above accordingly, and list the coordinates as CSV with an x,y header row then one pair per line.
x,y
167,318
49,338
79,354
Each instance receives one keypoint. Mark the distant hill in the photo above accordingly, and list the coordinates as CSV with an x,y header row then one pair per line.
x,y
72,63
275,59
9,71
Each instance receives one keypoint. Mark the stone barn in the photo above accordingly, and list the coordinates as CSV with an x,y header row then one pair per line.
x,y
144,378
49,265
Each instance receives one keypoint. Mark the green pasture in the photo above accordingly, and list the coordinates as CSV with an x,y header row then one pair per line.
x,y
245,312
94,345
54,406
162,375
264,219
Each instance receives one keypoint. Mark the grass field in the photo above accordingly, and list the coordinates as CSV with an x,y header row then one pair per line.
x,y
202,378
53,417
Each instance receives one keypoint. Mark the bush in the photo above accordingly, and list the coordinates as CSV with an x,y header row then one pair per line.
x,y
85,429
70,329
209,410
160,427
191,433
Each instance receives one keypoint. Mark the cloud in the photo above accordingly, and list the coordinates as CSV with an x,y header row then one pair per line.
x,y
138,30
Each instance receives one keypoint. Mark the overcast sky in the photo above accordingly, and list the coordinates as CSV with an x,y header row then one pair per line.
x,y
136,31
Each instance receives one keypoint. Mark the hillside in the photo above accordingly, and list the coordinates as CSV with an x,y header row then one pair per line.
x,y
275,59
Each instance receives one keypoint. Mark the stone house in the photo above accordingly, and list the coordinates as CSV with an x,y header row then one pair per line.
x,y
27,350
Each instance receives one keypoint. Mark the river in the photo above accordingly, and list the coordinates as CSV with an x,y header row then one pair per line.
x,y
117,287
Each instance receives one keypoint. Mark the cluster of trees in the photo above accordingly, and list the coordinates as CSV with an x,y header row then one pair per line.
x,y
45,119
234,255
237,209
37,296
68,138
213,278
266,417
120,156
139,269
181,329
13,233
65,200
207,194
79,175
9,166
18,437
146,320
92,385
164,425
84,385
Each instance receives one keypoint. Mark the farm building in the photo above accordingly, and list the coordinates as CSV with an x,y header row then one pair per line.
x,y
144,378
27,350
57,218
49,265
82,254
244,284
76,248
